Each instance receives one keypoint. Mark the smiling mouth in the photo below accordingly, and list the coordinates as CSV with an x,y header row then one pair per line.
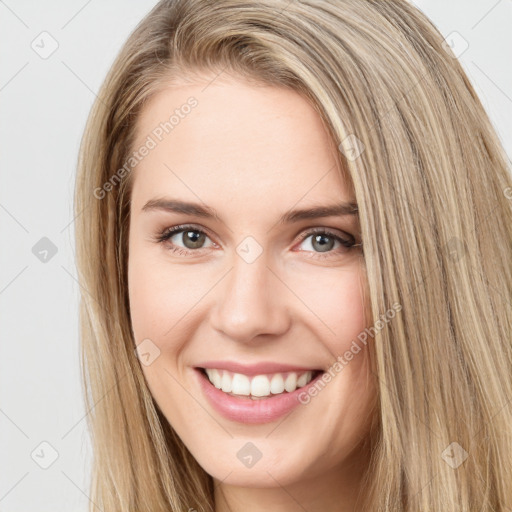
x,y
257,387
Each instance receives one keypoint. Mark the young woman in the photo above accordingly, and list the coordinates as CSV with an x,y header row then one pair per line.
x,y
294,237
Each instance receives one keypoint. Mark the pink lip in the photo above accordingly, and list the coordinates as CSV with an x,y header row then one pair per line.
x,y
253,369
246,410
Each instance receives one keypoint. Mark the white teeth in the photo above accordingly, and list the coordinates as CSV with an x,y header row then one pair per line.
x,y
277,384
301,381
216,378
290,384
241,385
259,385
226,383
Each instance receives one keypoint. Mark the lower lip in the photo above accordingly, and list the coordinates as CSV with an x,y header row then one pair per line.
x,y
247,410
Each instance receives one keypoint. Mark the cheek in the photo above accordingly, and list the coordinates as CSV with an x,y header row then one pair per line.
x,y
335,299
145,297
160,294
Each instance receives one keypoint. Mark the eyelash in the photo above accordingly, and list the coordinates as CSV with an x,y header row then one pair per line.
x,y
168,233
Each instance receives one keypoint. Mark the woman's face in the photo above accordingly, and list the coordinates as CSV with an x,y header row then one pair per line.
x,y
238,287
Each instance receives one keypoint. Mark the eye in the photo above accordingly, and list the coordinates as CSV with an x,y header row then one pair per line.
x,y
321,245
322,242
191,237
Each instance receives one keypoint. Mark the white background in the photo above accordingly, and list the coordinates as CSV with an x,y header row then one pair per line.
x,y
43,107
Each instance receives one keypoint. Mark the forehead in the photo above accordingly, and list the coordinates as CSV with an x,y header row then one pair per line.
x,y
229,138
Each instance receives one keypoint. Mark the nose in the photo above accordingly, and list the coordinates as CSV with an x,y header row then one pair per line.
x,y
251,301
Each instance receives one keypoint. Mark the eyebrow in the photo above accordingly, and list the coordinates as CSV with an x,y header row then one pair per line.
x,y
176,206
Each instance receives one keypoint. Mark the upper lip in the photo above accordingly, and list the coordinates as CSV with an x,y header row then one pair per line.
x,y
254,368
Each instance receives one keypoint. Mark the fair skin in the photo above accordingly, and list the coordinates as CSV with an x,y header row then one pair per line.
x,y
251,153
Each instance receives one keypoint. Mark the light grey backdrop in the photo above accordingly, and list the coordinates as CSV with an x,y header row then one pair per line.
x,y
53,58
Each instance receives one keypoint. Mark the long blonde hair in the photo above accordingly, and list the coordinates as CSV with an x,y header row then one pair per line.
x,y
433,188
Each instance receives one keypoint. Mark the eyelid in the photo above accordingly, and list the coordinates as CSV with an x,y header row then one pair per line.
x,y
303,232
